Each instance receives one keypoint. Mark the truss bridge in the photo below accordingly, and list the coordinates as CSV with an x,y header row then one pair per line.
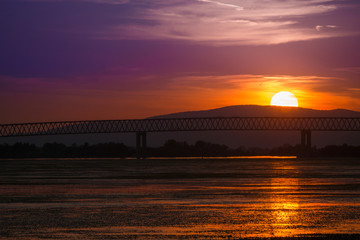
x,y
141,126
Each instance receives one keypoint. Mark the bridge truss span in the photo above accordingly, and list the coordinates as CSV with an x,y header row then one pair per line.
x,y
181,124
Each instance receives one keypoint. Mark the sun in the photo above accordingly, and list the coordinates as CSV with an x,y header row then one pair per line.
x,y
284,99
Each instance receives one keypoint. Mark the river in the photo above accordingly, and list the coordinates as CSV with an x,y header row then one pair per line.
x,y
211,198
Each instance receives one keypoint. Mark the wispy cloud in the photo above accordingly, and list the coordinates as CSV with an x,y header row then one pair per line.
x,y
219,22
94,1
237,7
349,69
261,83
227,22
326,27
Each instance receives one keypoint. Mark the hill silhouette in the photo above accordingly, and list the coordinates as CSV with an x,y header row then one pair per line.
x,y
262,111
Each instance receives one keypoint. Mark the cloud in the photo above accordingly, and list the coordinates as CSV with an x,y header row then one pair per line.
x,y
223,4
116,2
326,27
227,22
261,84
349,69
108,1
319,27
216,22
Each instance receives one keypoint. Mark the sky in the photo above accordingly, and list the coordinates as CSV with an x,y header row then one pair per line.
x,y
114,59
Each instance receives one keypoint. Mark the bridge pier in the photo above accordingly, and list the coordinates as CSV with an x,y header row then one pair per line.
x,y
306,139
140,145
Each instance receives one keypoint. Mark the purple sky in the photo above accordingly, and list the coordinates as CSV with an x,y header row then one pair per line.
x,y
112,59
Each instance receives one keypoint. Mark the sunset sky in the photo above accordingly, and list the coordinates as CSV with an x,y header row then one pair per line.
x,y
114,59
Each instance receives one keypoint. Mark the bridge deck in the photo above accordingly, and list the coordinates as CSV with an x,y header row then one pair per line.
x,y
181,124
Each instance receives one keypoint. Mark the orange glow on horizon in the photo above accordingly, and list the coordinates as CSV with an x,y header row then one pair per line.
x,y
185,93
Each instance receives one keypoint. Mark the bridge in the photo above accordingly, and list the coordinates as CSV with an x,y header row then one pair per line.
x,y
141,126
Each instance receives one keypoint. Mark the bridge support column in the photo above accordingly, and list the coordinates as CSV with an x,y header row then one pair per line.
x,y
306,139
140,145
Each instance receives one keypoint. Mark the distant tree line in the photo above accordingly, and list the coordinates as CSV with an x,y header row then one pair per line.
x,y
55,150
171,148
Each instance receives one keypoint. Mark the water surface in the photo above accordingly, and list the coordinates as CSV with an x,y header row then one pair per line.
x,y
227,198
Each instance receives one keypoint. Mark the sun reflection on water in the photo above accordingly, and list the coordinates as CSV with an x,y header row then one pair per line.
x,y
284,203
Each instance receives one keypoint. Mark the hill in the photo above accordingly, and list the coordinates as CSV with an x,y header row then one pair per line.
x,y
263,111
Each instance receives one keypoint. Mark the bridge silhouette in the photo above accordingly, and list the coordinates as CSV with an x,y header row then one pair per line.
x,y
142,126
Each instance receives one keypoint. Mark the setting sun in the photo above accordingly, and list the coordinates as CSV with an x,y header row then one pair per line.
x,y
284,99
